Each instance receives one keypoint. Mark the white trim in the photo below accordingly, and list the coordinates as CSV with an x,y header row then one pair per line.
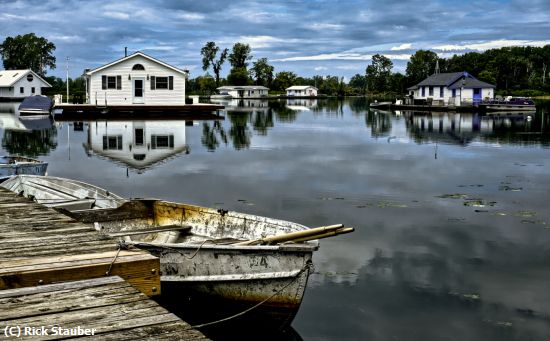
x,y
23,74
132,56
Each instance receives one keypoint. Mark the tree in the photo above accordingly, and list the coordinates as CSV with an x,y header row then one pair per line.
x,y
28,52
378,73
283,80
262,72
421,65
238,76
358,83
239,55
209,52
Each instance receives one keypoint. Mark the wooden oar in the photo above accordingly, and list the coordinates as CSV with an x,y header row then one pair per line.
x,y
343,230
293,235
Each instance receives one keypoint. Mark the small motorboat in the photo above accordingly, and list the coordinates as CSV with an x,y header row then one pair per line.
x,y
35,107
62,193
380,105
15,165
509,104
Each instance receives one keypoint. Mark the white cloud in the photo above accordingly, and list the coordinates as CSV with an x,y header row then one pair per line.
x,y
320,68
191,16
259,42
494,44
326,26
341,56
117,15
160,48
402,47
66,38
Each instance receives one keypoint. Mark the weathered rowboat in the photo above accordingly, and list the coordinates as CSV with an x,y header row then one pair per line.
x,y
14,165
209,254
63,193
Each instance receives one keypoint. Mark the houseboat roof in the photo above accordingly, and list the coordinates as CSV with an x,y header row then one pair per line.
x,y
450,80
301,87
243,87
10,77
133,55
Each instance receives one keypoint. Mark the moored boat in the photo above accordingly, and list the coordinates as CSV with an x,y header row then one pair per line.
x,y
35,107
509,104
380,105
14,165
63,193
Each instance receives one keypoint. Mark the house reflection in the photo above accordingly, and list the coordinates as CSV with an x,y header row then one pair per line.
x,y
301,104
138,145
234,105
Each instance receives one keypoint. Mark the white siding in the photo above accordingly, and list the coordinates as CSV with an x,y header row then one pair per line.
x,y
6,92
15,92
124,96
466,96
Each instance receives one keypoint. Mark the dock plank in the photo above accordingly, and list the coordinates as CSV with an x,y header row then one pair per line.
x,y
115,309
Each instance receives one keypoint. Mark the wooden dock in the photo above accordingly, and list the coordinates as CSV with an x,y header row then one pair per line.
x,y
105,308
55,270
136,108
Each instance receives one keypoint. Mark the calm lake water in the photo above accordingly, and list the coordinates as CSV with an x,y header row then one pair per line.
x,y
452,237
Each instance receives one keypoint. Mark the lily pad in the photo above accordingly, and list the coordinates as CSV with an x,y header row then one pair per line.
x,y
526,214
509,188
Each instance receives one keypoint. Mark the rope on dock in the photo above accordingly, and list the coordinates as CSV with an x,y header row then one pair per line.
x,y
309,265
121,245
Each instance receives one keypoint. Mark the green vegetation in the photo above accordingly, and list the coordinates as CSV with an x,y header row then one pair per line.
x,y
28,52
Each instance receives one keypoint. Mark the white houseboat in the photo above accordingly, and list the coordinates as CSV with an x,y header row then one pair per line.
x,y
454,88
301,91
18,84
244,91
137,79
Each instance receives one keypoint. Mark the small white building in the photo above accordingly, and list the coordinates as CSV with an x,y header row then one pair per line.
x,y
302,91
454,88
18,84
136,79
244,91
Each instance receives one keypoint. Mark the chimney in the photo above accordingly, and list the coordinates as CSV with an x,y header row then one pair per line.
x,y
125,51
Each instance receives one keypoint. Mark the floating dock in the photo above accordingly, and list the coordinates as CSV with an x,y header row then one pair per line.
x,y
56,270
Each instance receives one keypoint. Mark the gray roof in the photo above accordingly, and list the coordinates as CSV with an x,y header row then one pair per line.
x,y
451,80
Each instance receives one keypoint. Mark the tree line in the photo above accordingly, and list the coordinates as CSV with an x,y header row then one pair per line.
x,y
514,70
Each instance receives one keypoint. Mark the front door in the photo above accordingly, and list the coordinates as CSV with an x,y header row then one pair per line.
x,y
477,95
138,91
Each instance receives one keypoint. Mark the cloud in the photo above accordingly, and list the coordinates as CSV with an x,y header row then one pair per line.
x,y
117,15
326,26
402,47
341,56
494,44
191,16
320,68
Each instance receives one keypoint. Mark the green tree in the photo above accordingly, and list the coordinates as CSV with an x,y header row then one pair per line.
x,y
283,80
421,65
209,52
378,73
28,52
262,72
358,83
239,56
238,76
206,85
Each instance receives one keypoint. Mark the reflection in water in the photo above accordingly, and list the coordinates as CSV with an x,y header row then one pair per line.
x,y
29,137
139,145
448,248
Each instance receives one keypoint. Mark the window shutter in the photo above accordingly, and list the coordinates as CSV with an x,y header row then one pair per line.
x,y
103,82
104,142
171,141
119,142
153,141
153,82
118,82
171,83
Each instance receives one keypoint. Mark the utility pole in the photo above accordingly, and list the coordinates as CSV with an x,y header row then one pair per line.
x,y
67,69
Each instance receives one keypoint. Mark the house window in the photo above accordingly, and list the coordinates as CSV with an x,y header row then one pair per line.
x,y
162,141
138,133
162,83
21,90
33,90
30,77
138,67
441,90
112,142
431,91
454,93
111,82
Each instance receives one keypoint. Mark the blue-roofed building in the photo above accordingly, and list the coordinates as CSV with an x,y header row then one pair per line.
x,y
452,88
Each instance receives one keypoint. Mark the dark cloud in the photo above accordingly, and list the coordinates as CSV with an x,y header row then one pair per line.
x,y
95,32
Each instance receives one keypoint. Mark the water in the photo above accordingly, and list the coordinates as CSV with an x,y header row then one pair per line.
x,y
452,237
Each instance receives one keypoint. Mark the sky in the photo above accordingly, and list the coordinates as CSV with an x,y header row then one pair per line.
x,y
316,37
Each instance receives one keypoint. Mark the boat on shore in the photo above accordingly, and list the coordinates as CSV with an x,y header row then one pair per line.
x,y
62,193
35,107
15,165
509,104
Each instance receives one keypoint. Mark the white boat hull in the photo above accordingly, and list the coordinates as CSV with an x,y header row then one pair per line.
x,y
21,166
